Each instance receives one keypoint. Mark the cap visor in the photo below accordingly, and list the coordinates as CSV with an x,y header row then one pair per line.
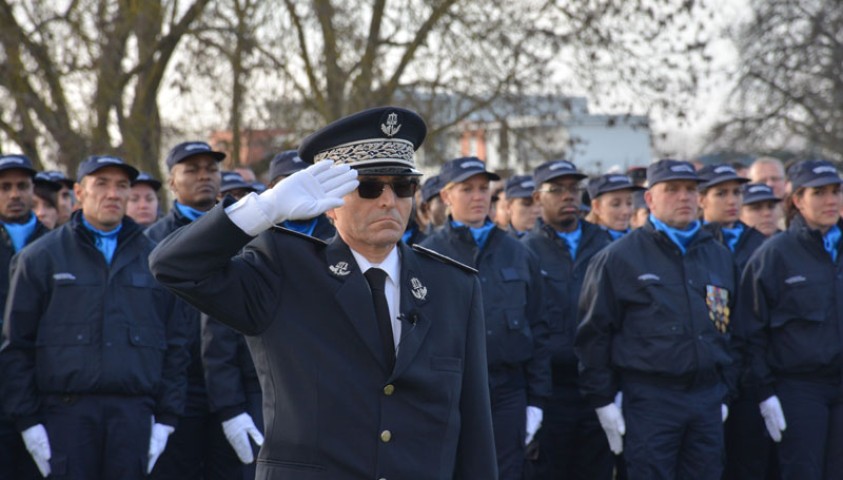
x,y
822,181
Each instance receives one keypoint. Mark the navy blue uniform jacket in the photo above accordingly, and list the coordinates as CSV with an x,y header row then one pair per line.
x,y
331,408
76,325
516,332
563,278
646,310
793,317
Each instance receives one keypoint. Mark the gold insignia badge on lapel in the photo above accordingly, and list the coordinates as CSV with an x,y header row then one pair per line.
x,y
392,126
717,299
340,269
419,291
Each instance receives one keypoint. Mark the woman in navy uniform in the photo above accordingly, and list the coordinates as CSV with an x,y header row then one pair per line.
x,y
759,208
370,354
612,203
792,328
519,369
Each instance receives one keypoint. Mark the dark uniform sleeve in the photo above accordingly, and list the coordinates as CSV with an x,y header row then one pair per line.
x,y
539,385
238,291
223,374
27,292
476,450
599,320
751,328
172,394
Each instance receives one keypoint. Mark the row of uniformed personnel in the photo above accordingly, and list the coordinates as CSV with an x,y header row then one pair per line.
x,y
675,361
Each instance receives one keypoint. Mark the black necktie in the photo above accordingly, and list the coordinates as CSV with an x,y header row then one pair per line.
x,y
377,280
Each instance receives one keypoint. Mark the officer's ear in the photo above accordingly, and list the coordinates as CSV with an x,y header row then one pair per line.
x,y
648,198
78,189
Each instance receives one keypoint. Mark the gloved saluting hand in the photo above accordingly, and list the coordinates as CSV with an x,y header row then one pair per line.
x,y
771,410
612,422
237,431
304,194
535,415
38,445
157,442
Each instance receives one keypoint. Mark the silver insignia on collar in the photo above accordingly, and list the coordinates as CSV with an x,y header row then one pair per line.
x,y
340,269
392,126
419,291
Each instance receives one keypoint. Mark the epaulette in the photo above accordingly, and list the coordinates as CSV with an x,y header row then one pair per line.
x,y
442,258
287,231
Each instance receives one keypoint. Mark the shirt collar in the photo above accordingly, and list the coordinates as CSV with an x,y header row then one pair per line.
x,y
390,264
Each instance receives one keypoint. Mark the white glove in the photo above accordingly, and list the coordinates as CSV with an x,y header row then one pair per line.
x,y
612,422
237,431
157,442
535,415
619,400
38,445
304,194
724,411
771,410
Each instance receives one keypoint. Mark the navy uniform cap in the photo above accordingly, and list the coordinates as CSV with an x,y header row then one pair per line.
x,y
378,141
59,177
720,173
461,169
519,186
638,201
548,171
758,192
185,150
98,162
233,181
45,180
668,169
17,161
813,173
610,182
148,179
431,188
285,163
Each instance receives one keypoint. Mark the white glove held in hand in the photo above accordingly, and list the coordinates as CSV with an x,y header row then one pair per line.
x,y
612,422
771,410
157,442
304,194
237,431
724,412
535,415
38,445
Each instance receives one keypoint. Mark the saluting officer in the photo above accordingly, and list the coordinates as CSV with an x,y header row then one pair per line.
x,y
516,337
94,353
371,355
793,321
655,314
571,443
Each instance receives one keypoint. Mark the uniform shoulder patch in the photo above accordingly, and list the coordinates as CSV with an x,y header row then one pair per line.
x,y
287,231
442,258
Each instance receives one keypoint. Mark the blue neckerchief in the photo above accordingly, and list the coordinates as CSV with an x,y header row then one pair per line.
x,y
572,239
830,241
616,234
732,235
20,232
680,237
480,234
302,226
191,213
106,242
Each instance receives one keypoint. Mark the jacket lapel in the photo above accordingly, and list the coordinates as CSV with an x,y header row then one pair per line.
x,y
353,296
415,322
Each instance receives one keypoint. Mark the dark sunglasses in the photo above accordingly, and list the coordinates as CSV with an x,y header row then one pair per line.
x,y
371,189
